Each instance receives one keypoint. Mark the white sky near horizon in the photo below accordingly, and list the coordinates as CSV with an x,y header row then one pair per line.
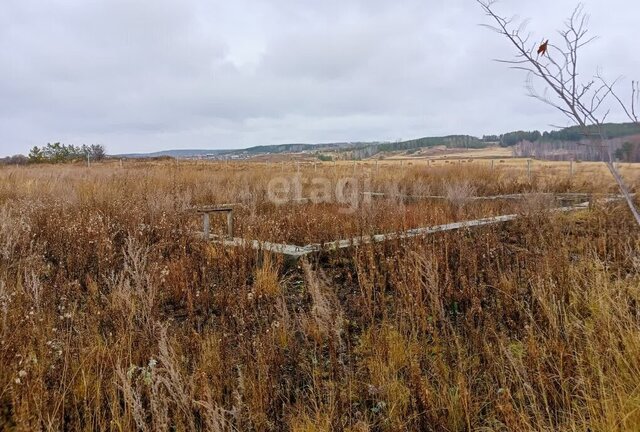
x,y
143,76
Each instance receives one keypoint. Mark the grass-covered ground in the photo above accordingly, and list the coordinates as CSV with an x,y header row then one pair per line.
x,y
115,316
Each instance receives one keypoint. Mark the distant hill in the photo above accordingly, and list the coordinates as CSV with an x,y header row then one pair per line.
x,y
451,141
360,150
571,134
251,151
297,148
610,130
186,153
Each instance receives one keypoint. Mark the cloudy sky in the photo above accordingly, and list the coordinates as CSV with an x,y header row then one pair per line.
x,y
146,75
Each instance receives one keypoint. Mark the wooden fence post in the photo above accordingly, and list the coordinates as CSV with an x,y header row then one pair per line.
x,y
571,168
230,224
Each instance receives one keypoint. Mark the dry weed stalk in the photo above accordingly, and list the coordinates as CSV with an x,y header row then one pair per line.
x,y
460,194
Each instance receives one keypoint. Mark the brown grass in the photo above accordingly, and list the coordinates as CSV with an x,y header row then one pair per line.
x,y
115,316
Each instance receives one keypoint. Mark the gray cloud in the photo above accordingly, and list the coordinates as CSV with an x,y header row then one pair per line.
x,y
142,75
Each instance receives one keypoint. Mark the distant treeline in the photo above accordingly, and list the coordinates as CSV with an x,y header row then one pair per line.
x,y
58,153
14,160
455,141
570,134
365,150
510,139
628,152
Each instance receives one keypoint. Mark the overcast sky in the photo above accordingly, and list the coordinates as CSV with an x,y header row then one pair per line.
x,y
147,75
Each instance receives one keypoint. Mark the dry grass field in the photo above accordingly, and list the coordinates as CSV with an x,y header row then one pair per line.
x,y
450,153
116,315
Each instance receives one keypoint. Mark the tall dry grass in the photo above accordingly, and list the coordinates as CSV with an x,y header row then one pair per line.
x,y
114,316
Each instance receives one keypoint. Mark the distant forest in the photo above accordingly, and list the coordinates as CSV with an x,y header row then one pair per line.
x,y
577,143
572,134
454,141
58,153
564,144
450,141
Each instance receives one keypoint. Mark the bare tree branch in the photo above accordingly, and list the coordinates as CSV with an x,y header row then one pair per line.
x,y
630,111
585,104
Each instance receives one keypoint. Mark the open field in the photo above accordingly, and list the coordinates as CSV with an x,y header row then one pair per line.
x,y
444,153
576,172
115,314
